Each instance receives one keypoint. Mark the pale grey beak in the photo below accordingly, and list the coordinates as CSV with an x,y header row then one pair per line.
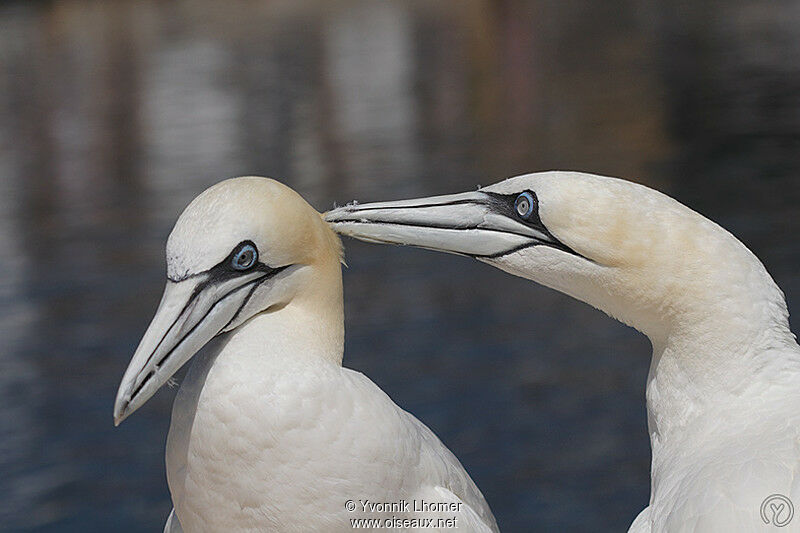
x,y
478,224
191,313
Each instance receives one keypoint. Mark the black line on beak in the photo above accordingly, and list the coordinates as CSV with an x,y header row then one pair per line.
x,y
269,273
139,388
256,283
218,273
507,252
205,315
434,226
454,202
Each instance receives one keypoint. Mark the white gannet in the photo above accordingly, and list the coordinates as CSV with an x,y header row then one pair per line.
x,y
723,392
269,432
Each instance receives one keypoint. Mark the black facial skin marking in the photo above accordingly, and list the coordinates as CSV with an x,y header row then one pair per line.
x,y
219,273
504,205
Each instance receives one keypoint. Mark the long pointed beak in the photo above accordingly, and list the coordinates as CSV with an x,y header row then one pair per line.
x,y
476,224
190,314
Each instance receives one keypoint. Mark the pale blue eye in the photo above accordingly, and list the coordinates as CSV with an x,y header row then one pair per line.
x,y
245,257
524,205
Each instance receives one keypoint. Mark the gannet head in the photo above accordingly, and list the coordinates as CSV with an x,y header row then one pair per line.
x,y
243,247
633,252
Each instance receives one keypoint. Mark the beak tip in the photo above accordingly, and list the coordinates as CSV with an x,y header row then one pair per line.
x,y
121,411
119,417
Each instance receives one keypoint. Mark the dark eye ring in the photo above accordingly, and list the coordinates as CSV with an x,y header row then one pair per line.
x,y
245,257
525,205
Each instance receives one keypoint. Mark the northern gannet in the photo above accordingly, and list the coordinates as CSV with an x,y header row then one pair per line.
x,y
269,432
723,391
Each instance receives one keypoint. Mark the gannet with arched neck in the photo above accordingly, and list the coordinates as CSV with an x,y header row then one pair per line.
x,y
723,392
269,432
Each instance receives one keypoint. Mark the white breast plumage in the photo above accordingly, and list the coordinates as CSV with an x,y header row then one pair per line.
x,y
269,432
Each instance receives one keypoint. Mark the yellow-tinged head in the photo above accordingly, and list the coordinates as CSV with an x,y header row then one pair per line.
x,y
244,247
629,250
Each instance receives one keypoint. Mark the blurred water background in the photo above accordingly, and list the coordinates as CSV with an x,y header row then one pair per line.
x,y
114,115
